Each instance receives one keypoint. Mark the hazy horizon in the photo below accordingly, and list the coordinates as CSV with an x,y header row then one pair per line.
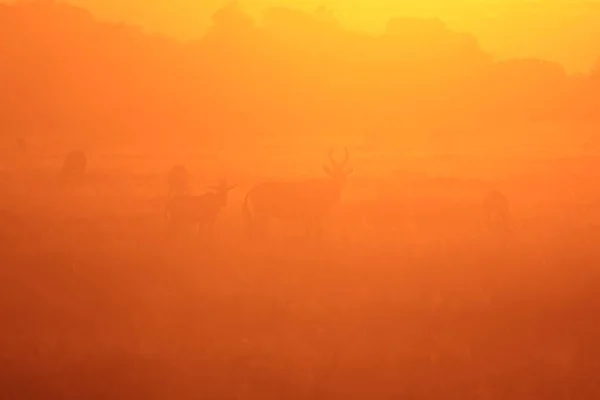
x,y
294,207
564,31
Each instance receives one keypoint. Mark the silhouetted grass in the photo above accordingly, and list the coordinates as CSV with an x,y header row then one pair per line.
x,y
114,308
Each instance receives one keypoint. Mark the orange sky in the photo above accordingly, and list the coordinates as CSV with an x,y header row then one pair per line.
x,y
558,30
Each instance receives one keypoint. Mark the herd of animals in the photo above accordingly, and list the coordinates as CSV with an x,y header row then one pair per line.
x,y
307,202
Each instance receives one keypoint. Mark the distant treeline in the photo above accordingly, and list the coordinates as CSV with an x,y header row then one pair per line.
x,y
62,72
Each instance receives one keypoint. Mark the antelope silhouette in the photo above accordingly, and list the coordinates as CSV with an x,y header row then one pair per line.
x,y
307,201
201,211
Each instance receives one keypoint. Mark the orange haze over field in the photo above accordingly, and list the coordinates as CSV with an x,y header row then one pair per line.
x,y
301,200
250,79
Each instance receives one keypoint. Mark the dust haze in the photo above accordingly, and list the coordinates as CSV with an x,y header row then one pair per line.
x,y
289,209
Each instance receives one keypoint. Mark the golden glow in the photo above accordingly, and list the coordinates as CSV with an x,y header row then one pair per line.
x,y
559,30
458,260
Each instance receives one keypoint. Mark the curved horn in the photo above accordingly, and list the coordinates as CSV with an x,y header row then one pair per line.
x,y
330,155
346,156
338,163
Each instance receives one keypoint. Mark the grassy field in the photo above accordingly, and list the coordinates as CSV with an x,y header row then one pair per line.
x,y
99,302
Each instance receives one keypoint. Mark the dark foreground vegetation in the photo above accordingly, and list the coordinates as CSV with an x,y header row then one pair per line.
x,y
98,302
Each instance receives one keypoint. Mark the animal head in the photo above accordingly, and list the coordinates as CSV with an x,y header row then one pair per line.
x,y
338,171
222,189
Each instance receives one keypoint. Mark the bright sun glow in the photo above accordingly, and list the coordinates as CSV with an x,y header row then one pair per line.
x,y
560,30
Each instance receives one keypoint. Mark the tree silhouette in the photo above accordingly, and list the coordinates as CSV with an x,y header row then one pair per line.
x,y
295,72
